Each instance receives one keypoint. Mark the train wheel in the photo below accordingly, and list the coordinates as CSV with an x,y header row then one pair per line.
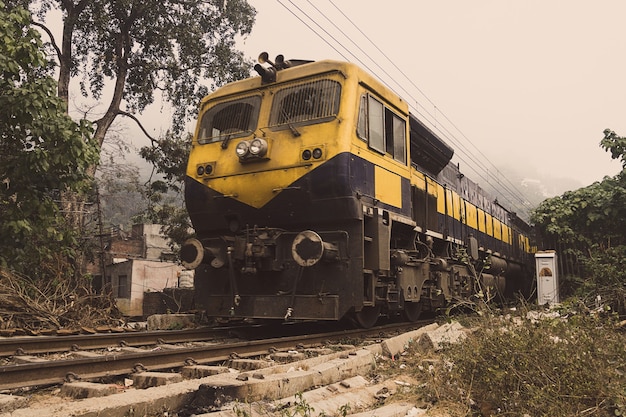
x,y
412,311
367,317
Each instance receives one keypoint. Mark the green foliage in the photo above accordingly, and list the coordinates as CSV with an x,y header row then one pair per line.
x,y
615,144
591,215
587,226
143,46
551,366
168,155
170,45
606,279
43,153
300,407
139,47
344,410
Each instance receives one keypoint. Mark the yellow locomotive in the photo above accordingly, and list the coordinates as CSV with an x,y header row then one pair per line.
x,y
316,195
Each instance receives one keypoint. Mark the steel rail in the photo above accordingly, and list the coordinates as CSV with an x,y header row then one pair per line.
x,y
114,364
28,345
58,371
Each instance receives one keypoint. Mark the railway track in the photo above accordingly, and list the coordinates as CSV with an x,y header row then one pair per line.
x,y
30,345
167,350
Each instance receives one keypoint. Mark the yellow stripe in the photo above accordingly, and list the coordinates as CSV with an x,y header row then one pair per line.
x,y
497,229
441,202
470,215
489,224
456,206
388,187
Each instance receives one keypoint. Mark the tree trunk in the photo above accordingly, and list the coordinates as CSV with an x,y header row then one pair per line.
x,y
65,59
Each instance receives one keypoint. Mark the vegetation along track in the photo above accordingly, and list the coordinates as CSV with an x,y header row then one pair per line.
x,y
165,355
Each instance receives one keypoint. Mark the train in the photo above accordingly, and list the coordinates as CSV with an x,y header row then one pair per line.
x,y
315,194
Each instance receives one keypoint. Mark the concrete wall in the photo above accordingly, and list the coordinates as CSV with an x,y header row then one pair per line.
x,y
155,243
141,276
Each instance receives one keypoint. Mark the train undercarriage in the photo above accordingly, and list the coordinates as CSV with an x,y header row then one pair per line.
x,y
362,270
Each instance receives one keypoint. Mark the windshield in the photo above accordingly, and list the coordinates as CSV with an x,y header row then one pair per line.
x,y
228,120
311,102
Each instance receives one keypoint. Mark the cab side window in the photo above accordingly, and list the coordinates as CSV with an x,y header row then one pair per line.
x,y
381,128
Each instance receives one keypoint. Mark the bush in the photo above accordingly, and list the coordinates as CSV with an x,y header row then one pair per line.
x,y
553,366
606,277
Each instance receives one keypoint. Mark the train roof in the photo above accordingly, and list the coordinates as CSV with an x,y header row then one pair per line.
x,y
308,69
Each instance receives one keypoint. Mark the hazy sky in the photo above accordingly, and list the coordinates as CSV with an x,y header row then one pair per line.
x,y
529,84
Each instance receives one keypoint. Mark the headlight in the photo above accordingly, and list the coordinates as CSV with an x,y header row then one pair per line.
x,y
258,147
242,149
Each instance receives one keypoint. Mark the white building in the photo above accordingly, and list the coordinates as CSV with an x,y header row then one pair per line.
x,y
139,262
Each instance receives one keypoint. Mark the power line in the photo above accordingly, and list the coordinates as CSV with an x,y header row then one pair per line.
x,y
308,26
520,196
477,164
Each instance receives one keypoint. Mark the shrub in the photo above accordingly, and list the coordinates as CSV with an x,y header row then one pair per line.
x,y
552,366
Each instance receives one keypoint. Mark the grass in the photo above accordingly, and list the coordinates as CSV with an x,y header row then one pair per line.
x,y
528,363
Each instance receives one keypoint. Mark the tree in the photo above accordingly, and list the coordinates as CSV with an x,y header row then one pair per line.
x,y
143,46
124,52
127,53
169,157
615,144
587,225
43,153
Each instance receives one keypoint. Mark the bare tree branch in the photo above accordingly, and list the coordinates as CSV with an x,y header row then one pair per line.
x,y
51,36
131,116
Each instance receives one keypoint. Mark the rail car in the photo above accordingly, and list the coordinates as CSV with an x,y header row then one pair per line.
x,y
316,195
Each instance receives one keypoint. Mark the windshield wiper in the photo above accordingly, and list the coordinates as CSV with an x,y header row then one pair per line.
x,y
293,129
225,141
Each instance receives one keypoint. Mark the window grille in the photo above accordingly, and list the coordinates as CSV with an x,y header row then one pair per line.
x,y
231,119
310,102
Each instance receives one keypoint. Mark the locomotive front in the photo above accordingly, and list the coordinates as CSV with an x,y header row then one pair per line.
x,y
268,193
